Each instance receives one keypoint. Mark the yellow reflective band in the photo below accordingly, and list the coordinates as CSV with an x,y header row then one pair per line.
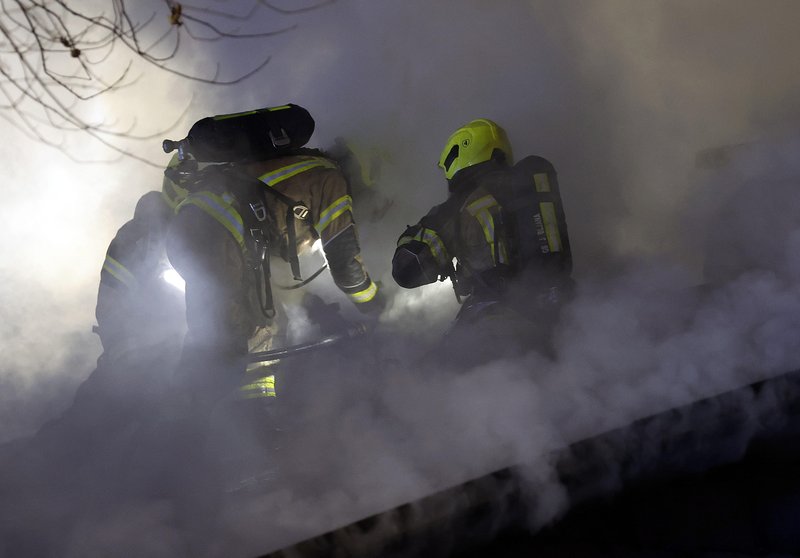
x,y
434,244
282,107
262,387
173,194
220,208
429,237
541,182
548,211
366,295
487,224
486,202
168,200
119,272
480,209
432,241
333,212
277,176
234,115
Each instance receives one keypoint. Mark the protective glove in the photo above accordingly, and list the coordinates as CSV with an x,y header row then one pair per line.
x,y
325,315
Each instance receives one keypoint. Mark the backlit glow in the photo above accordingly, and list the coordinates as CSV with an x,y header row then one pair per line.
x,y
173,278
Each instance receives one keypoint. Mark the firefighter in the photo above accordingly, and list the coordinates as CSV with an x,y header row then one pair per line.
x,y
136,307
273,199
140,324
172,192
500,237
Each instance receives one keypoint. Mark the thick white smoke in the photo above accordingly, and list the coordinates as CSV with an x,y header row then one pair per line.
x,y
621,96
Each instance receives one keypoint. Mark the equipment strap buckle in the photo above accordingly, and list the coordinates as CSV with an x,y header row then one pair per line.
x,y
300,212
260,247
280,140
259,210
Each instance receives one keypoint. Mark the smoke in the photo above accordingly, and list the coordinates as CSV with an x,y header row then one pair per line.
x,y
621,96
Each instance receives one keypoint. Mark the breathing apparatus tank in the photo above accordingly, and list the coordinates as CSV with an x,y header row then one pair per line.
x,y
535,218
245,136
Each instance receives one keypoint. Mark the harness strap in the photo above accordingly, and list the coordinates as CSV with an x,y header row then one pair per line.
x,y
221,209
305,282
291,233
255,245
295,210
481,209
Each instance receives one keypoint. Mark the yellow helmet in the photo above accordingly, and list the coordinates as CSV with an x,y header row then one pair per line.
x,y
472,144
172,192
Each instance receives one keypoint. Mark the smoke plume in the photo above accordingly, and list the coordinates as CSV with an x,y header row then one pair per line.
x,y
672,127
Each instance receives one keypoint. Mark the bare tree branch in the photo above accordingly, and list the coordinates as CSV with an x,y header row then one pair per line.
x,y
57,55
286,11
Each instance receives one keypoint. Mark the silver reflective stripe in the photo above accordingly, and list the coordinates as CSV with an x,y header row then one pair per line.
x,y
481,210
221,210
429,237
283,173
333,212
486,202
548,211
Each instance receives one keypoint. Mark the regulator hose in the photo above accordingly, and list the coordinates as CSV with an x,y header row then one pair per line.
x,y
305,282
293,350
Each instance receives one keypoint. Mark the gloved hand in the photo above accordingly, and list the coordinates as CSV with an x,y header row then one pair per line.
x,y
325,315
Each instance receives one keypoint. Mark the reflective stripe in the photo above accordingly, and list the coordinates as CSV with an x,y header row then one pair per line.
x,y
429,237
366,295
333,212
432,241
436,245
486,202
119,272
262,387
172,193
548,211
541,182
168,200
277,176
234,115
481,210
220,208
